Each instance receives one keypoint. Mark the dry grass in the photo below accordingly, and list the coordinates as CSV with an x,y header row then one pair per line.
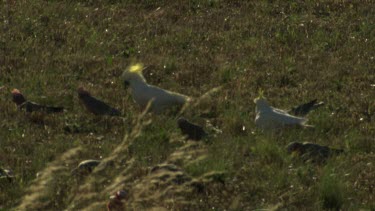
x,y
293,51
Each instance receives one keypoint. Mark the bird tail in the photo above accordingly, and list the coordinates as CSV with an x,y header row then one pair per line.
x,y
317,105
308,126
181,99
115,112
304,123
31,107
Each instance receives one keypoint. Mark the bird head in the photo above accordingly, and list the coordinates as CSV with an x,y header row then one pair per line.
x,y
294,147
121,194
181,121
260,101
133,74
18,97
260,92
82,92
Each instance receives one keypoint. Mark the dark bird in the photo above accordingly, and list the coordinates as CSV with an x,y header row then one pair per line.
x,y
29,106
304,109
192,131
313,152
86,166
96,106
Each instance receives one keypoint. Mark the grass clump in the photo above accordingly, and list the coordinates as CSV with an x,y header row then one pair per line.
x,y
295,52
332,192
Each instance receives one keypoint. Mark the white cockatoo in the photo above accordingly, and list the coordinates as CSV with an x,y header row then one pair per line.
x,y
144,93
269,118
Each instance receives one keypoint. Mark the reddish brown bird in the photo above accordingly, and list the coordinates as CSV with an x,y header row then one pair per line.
x,y
116,201
18,97
96,106
20,100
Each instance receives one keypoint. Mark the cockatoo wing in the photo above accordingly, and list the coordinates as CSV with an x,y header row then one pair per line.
x,y
286,118
271,119
279,111
161,98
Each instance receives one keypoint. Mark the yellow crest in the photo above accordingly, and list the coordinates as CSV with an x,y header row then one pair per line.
x,y
260,96
260,92
136,68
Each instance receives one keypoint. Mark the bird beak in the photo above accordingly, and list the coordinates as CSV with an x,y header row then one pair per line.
x,y
126,84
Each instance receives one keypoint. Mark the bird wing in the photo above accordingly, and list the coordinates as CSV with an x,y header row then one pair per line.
x,y
165,96
279,110
99,107
285,118
161,98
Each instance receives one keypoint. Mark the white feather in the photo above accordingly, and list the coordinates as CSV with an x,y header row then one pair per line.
x,y
143,93
268,117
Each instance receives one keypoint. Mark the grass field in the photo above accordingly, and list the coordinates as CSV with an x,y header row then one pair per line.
x,y
293,50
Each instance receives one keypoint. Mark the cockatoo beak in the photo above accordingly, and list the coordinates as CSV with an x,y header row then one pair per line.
x,y
126,84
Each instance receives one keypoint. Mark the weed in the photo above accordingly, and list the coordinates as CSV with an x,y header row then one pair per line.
x,y
295,52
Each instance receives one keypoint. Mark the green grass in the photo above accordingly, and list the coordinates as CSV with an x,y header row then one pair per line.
x,y
331,192
294,51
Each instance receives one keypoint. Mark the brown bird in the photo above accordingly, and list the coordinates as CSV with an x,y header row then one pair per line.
x,y
192,131
312,152
94,105
116,201
29,106
18,97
